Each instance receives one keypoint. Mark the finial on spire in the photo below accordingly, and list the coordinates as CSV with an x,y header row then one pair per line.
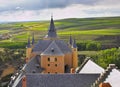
x,y
51,15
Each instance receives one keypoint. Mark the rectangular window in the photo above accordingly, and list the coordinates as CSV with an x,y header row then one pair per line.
x,y
56,59
48,59
48,64
56,65
52,59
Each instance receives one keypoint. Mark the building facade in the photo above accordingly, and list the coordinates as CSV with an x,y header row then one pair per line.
x,y
56,56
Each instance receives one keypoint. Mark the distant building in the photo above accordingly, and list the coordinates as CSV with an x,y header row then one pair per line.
x,y
53,63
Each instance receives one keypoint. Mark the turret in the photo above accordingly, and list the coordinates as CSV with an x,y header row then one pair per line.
x,y
28,50
33,41
51,35
70,42
75,54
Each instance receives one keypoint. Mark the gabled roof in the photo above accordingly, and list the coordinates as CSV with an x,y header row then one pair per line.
x,y
42,45
52,49
90,67
60,80
114,78
63,46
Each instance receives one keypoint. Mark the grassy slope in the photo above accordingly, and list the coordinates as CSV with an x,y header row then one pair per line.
x,y
81,29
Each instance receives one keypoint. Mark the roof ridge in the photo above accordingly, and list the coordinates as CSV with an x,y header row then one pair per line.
x,y
52,48
83,64
104,75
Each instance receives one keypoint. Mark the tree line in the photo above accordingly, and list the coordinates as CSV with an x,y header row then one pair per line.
x,y
108,56
89,46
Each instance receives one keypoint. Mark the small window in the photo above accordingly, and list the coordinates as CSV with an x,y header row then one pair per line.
x,y
48,72
48,59
56,65
48,64
55,59
55,72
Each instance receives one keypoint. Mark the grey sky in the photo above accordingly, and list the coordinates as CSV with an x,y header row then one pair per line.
x,y
8,5
20,10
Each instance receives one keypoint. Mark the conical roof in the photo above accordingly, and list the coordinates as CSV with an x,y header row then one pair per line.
x,y
70,40
33,39
51,30
74,44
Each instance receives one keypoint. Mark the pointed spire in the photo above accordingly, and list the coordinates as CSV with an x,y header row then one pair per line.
x,y
33,39
28,44
74,44
70,40
52,30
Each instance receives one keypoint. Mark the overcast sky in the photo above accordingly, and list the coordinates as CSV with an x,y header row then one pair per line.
x,y
30,10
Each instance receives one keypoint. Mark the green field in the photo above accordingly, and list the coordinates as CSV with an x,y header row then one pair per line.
x,y
83,29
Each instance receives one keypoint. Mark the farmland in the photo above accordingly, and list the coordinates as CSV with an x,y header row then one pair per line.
x,y
83,29
92,36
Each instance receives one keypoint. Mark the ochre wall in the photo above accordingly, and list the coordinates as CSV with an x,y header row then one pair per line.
x,y
52,68
75,58
68,59
28,52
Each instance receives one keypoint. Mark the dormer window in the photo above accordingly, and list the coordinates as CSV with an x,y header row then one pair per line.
x,y
52,49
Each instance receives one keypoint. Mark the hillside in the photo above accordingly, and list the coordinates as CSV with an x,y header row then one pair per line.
x,y
105,30
89,32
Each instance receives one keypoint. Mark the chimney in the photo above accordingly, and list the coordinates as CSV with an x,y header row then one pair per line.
x,y
105,85
72,70
24,81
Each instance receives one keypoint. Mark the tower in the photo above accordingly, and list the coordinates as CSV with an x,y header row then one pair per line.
x,y
28,50
33,41
75,54
51,35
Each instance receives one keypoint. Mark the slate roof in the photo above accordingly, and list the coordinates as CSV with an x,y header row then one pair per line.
x,y
44,44
30,67
60,80
52,49
51,30
70,40
74,44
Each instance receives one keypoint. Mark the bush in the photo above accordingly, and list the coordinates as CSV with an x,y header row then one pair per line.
x,y
106,57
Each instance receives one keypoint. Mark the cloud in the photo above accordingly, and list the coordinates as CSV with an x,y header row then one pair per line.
x,y
8,5
26,10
